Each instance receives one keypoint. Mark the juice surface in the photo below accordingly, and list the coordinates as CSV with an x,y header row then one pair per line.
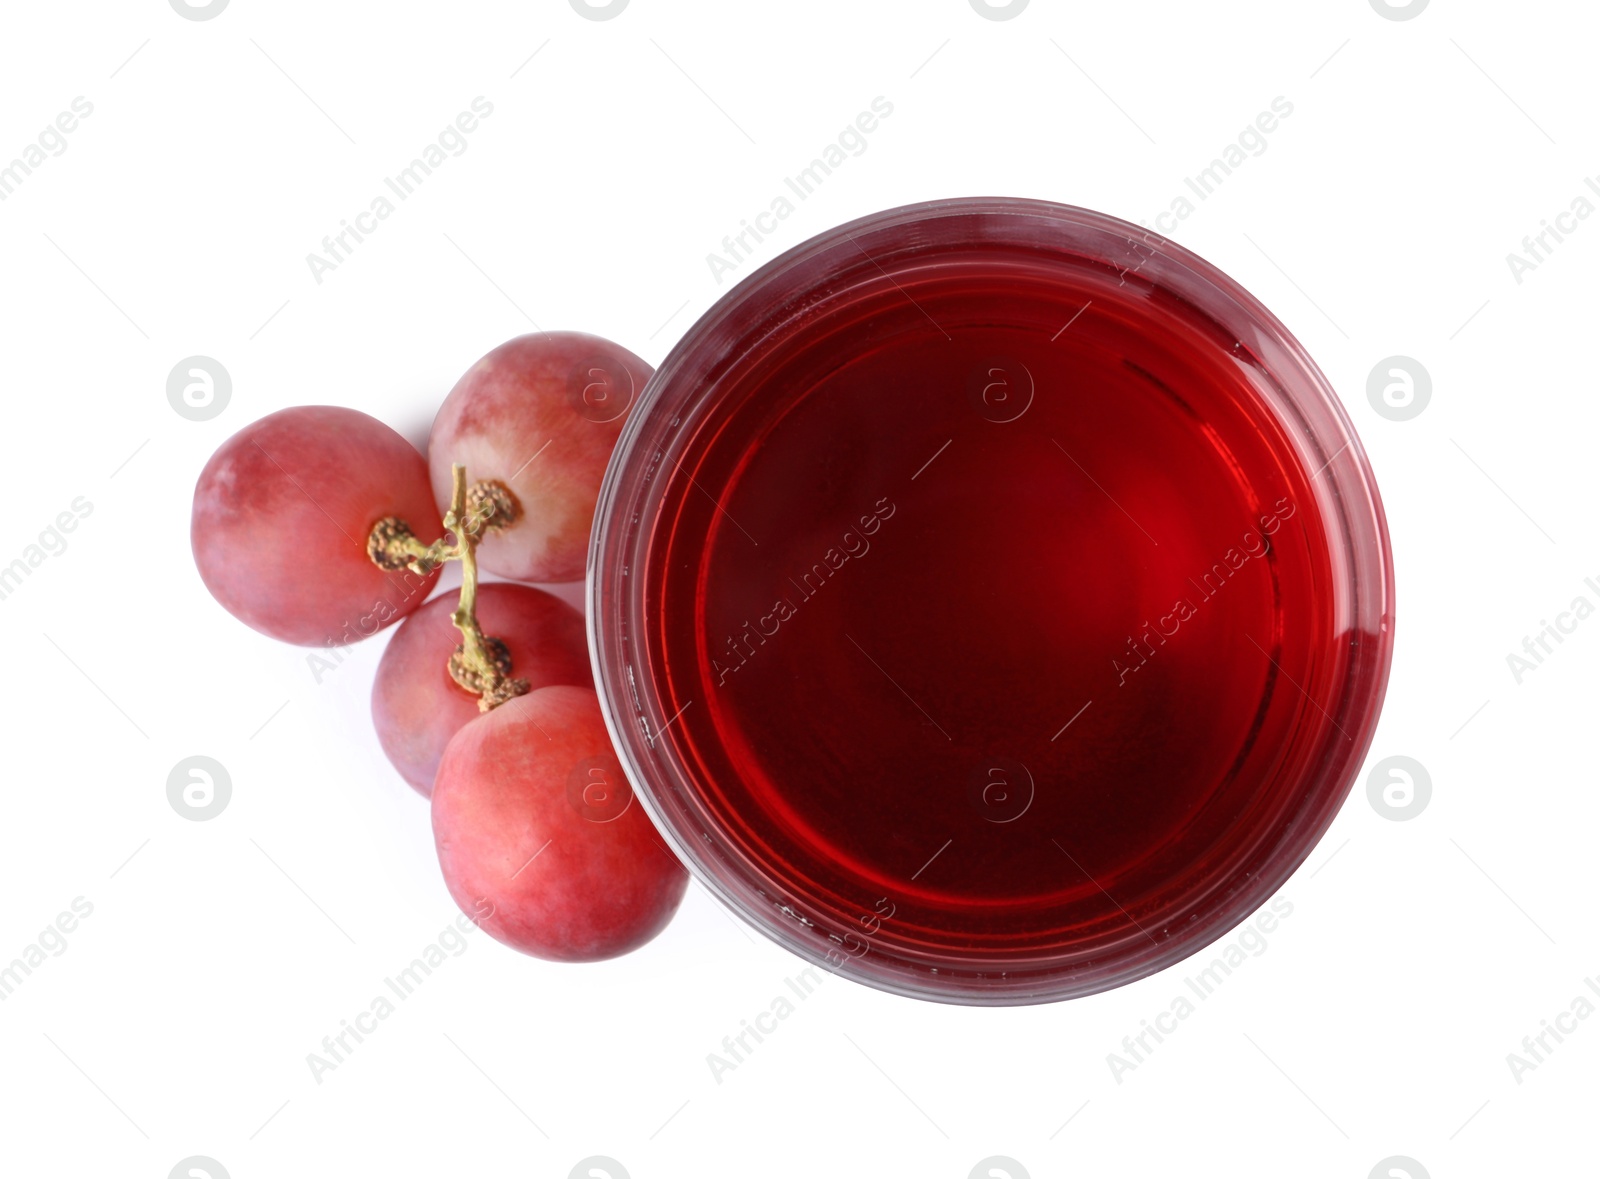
x,y
989,601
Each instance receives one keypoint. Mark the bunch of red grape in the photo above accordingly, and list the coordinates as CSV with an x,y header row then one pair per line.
x,y
310,524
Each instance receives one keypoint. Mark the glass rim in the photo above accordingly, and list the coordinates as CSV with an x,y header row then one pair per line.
x,y
771,300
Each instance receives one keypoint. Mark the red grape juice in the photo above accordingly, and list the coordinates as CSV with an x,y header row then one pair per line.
x,y
989,603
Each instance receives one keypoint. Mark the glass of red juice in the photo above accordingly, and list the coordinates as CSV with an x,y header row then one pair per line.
x,y
990,601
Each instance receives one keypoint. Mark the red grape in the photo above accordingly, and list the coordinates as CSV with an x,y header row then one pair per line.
x,y
541,415
533,816
281,517
417,707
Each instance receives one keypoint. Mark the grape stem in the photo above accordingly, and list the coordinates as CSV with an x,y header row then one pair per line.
x,y
481,665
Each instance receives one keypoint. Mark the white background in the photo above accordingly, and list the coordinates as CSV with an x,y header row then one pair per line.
x,y
177,222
